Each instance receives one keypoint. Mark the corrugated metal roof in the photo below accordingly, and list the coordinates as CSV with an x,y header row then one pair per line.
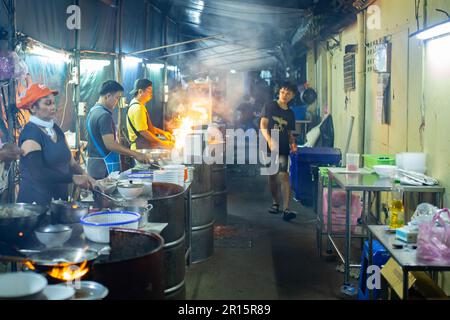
x,y
253,32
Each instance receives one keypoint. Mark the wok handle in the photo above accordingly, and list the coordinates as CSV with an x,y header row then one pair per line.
x,y
13,259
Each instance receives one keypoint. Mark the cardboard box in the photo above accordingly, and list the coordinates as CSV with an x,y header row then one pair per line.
x,y
393,274
420,280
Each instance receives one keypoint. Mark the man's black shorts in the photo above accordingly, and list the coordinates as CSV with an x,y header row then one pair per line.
x,y
283,165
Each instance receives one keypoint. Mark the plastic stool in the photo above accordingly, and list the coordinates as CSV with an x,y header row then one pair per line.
x,y
379,258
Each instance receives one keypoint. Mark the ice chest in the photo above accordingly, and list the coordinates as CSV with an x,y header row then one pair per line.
x,y
301,176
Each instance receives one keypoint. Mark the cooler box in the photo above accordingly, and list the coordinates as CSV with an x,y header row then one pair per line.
x,y
301,175
300,112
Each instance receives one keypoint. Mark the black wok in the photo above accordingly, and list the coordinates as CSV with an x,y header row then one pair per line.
x,y
19,227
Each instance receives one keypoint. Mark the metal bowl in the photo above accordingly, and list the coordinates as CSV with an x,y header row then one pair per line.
x,y
108,186
143,211
130,191
54,235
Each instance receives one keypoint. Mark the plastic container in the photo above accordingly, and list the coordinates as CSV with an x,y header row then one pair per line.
x,y
416,162
371,160
353,160
301,176
96,225
385,171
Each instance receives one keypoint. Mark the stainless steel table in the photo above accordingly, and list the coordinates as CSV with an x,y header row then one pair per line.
x,y
406,258
362,181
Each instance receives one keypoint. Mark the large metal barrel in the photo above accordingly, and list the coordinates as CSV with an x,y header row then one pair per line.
x,y
169,207
134,270
220,196
202,214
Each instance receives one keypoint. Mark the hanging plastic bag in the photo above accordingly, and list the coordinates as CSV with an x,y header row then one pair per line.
x,y
433,242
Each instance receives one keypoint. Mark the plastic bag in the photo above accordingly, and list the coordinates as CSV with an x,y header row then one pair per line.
x,y
433,242
338,210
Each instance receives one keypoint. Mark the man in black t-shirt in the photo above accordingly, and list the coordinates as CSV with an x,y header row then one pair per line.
x,y
278,116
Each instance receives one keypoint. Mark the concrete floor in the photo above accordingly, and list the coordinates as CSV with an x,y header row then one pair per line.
x,y
267,258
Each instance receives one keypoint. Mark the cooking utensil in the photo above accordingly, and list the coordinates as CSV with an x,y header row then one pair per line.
x,y
65,212
103,200
53,235
54,257
19,220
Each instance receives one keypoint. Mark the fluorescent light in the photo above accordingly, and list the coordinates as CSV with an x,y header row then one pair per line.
x,y
434,31
132,60
50,54
172,68
155,66
232,71
438,59
94,65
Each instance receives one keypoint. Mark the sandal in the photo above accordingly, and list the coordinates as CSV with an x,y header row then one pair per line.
x,y
275,209
289,215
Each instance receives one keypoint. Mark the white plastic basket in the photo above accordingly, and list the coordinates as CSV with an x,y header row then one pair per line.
x,y
96,225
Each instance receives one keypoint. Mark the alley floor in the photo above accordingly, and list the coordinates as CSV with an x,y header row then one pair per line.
x,y
258,256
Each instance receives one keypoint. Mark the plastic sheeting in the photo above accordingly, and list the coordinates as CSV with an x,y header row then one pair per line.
x,y
45,21
54,74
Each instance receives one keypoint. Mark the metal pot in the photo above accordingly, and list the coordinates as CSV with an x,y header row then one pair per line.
x,y
156,154
18,228
64,212
143,211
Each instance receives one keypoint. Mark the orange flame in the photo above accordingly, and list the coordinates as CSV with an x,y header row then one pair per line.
x,y
30,266
69,272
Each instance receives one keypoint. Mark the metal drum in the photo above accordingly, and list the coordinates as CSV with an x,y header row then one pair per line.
x,y
202,214
168,202
134,270
220,196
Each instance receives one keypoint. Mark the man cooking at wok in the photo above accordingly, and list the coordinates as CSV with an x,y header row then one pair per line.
x,y
141,131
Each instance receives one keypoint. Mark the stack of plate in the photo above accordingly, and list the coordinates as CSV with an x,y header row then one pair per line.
x,y
167,176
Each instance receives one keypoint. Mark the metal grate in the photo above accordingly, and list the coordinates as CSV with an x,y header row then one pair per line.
x,y
349,72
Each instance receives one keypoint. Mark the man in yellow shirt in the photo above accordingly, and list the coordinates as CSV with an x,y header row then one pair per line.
x,y
141,132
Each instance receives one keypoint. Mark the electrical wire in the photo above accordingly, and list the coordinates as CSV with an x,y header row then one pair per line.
x,y
417,5
444,12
